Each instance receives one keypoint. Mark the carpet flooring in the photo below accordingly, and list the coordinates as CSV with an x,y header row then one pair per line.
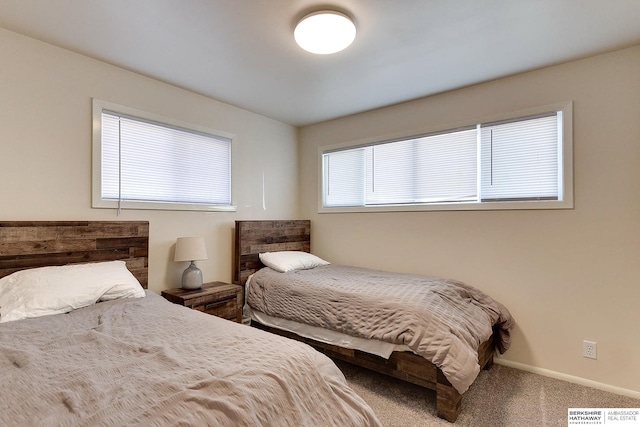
x,y
500,397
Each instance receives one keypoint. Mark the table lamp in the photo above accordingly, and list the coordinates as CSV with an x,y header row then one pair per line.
x,y
191,249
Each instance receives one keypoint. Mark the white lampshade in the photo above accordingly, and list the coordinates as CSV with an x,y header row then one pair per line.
x,y
325,32
190,249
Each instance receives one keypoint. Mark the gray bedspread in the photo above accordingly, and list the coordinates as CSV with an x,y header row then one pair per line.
x,y
442,320
152,363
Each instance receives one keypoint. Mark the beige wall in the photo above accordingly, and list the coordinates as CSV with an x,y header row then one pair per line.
x,y
45,151
566,275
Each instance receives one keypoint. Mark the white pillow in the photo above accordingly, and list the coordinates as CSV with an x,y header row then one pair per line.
x,y
284,261
51,290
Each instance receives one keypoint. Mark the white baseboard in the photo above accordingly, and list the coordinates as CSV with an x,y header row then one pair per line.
x,y
569,378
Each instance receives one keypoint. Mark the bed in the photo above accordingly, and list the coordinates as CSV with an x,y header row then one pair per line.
x,y
444,353
133,358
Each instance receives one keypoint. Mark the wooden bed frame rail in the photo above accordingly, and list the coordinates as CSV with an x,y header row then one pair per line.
x,y
254,237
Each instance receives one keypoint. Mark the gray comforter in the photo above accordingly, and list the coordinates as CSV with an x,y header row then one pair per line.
x,y
149,362
440,319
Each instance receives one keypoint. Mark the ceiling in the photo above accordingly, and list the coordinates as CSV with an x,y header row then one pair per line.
x,y
242,52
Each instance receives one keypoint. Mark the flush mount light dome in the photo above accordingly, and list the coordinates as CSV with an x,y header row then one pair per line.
x,y
325,32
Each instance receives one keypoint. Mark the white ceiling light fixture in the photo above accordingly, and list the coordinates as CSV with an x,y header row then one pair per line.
x,y
325,32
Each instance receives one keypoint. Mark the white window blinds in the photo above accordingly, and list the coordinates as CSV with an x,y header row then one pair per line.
x,y
344,178
519,160
151,162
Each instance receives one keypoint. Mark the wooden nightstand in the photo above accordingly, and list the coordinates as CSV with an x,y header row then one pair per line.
x,y
218,298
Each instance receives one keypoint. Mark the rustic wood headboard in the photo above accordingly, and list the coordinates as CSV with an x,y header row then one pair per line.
x,y
29,244
254,237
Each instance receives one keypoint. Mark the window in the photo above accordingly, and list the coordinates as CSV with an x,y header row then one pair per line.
x,y
522,161
142,161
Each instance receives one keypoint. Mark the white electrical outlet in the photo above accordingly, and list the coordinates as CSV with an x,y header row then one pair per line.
x,y
590,349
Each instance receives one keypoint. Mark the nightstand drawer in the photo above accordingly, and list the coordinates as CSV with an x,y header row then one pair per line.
x,y
227,309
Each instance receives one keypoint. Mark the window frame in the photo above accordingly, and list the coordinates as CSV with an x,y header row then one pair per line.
x,y
98,106
565,169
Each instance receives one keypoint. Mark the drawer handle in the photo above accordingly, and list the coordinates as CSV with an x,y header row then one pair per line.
x,y
215,304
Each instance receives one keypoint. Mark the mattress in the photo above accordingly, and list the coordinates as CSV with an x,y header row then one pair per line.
x,y
379,348
148,362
